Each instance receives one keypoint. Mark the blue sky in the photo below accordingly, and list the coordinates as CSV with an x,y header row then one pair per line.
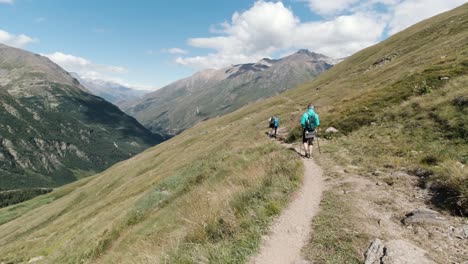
x,y
149,44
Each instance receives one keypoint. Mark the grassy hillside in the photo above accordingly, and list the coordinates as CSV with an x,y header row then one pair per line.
x,y
208,194
403,104
215,186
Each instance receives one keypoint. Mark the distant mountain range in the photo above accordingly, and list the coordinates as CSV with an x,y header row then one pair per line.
x,y
52,130
111,91
211,93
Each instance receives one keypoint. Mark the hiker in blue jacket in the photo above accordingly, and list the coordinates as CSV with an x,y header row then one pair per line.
x,y
274,124
309,122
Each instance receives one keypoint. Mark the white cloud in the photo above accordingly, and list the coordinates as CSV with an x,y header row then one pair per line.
x,y
87,69
346,27
216,60
84,67
330,7
341,36
409,12
268,28
176,51
400,14
6,1
17,41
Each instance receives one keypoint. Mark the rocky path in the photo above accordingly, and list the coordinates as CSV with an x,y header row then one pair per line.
x,y
290,232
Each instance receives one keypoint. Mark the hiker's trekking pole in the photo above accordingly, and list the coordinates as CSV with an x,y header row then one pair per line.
x,y
318,144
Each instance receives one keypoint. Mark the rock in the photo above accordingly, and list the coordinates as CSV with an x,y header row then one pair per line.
x,y
331,130
395,252
443,78
423,173
465,230
401,251
461,232
375,252
377,173
424,216
36,259
400,174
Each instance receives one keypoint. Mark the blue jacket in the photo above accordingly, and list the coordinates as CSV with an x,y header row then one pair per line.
x,y
306,115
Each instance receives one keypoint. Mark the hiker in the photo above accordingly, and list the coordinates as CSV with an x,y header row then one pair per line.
x,y
274,124
309,122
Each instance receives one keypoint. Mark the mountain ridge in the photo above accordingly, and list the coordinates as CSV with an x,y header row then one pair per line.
x,y
113,92
52,129
210,93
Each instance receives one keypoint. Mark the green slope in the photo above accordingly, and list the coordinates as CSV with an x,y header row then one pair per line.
x,y
52,131
208,194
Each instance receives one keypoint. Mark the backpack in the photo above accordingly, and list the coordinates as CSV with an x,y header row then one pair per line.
x,y
310,123
276,121
272,121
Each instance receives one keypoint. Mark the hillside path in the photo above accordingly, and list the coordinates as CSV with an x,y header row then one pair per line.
x,y
291,230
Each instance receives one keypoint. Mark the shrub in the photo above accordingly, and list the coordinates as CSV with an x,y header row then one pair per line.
x,y
421,89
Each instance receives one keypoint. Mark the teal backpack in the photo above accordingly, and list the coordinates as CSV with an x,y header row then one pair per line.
x,y
310,123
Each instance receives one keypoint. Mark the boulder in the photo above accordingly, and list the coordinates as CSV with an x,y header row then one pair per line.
x,y
461,232
375,252
36,259
395,252
401,251
424,216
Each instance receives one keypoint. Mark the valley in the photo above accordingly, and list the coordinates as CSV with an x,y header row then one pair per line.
x,y
390,185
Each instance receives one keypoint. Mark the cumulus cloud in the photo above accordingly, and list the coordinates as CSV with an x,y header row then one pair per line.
x,y
407,13
399,14
13,40
328,7
269,28
84,67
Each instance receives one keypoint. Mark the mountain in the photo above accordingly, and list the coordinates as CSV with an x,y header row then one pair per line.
x,y
111,91
209,194
52,131
212,93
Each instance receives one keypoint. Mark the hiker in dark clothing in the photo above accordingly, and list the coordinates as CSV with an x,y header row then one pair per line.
x,y
274,124
309,122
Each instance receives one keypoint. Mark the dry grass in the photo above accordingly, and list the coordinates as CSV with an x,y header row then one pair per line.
x,y
209,194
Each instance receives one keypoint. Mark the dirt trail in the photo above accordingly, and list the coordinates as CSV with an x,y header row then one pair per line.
x,y
290,232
